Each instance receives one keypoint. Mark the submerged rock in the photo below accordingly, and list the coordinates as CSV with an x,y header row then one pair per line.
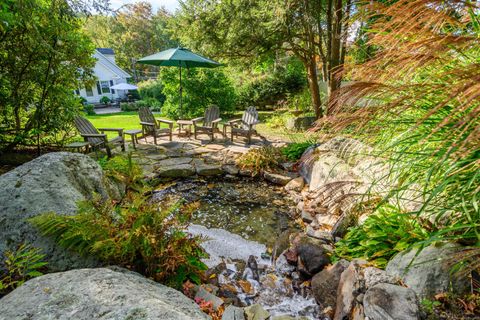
x,y
428,272
54,182
86,294
389,302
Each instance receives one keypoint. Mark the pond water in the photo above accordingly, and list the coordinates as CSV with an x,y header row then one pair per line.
x,y
242,219
254,210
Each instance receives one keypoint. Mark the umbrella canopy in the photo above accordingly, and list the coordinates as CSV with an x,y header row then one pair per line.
x,y
124,86
179,57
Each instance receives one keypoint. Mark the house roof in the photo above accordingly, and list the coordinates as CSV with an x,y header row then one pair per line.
x,y
106,51
111,65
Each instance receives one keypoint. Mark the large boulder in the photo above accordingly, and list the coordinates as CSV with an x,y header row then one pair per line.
x,y
313,258
327,168
390,302
348,149
428,272
325,284
85,294
350,287
54,182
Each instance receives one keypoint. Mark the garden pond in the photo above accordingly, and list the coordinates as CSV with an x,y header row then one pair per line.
x,y
242,219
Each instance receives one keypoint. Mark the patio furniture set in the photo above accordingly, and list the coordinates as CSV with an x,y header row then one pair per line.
x,y
208,124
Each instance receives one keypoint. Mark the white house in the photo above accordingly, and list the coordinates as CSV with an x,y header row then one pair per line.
x,y
108,74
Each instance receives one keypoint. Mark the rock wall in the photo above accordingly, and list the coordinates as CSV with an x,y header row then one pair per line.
x,y
54,182
342,172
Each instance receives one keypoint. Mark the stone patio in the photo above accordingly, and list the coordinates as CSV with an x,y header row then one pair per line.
x,y
184,157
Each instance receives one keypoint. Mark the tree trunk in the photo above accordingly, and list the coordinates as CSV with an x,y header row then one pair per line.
x,y
314,87
334,77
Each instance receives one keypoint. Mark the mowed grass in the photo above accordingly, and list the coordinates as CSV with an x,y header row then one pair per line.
x,y
124,120
130,120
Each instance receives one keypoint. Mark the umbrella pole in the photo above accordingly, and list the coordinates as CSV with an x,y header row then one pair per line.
x,y
180,113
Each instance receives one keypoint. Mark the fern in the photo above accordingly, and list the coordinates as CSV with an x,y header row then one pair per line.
x,y
24,263
135,234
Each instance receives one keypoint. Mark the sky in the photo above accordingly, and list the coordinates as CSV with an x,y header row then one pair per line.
x,y
170,5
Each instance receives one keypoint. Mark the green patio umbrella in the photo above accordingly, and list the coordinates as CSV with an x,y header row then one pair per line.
x,y
181,58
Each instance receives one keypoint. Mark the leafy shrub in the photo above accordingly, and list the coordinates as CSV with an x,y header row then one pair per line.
x,y
382,235
89,109
129,106
133,95
134,106
105,100
151,89
270,89
201,88
277,120
136,234
20,265
294,151
261,159
302,101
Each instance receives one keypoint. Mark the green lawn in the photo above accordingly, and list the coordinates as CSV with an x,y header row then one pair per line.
x,y
124,120
129,120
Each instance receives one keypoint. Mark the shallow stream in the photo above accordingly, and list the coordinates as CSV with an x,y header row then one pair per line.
x,y
243,218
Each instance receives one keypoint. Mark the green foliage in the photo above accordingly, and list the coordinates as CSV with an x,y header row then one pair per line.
x,y
134,31
278,119
151,103
301,101
294,151
44,58
105,100
261,159
201,88
124,170
430,305
136,234
152,89
89,109
273,87
19,266
383,234
129,106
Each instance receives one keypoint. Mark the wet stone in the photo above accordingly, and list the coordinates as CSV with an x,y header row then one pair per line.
x,y
256,312
203,294
233,313
230,169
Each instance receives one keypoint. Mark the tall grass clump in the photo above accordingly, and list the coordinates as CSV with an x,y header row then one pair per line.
x,y
418,101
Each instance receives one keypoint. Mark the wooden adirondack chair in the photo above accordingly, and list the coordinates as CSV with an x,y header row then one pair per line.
x,y
209,122
91,135
245,126
151,126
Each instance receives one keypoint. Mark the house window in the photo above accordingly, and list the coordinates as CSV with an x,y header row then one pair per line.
x,y
105,86
89,91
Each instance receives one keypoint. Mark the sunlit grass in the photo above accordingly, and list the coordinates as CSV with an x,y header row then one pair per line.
x,y
129,120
